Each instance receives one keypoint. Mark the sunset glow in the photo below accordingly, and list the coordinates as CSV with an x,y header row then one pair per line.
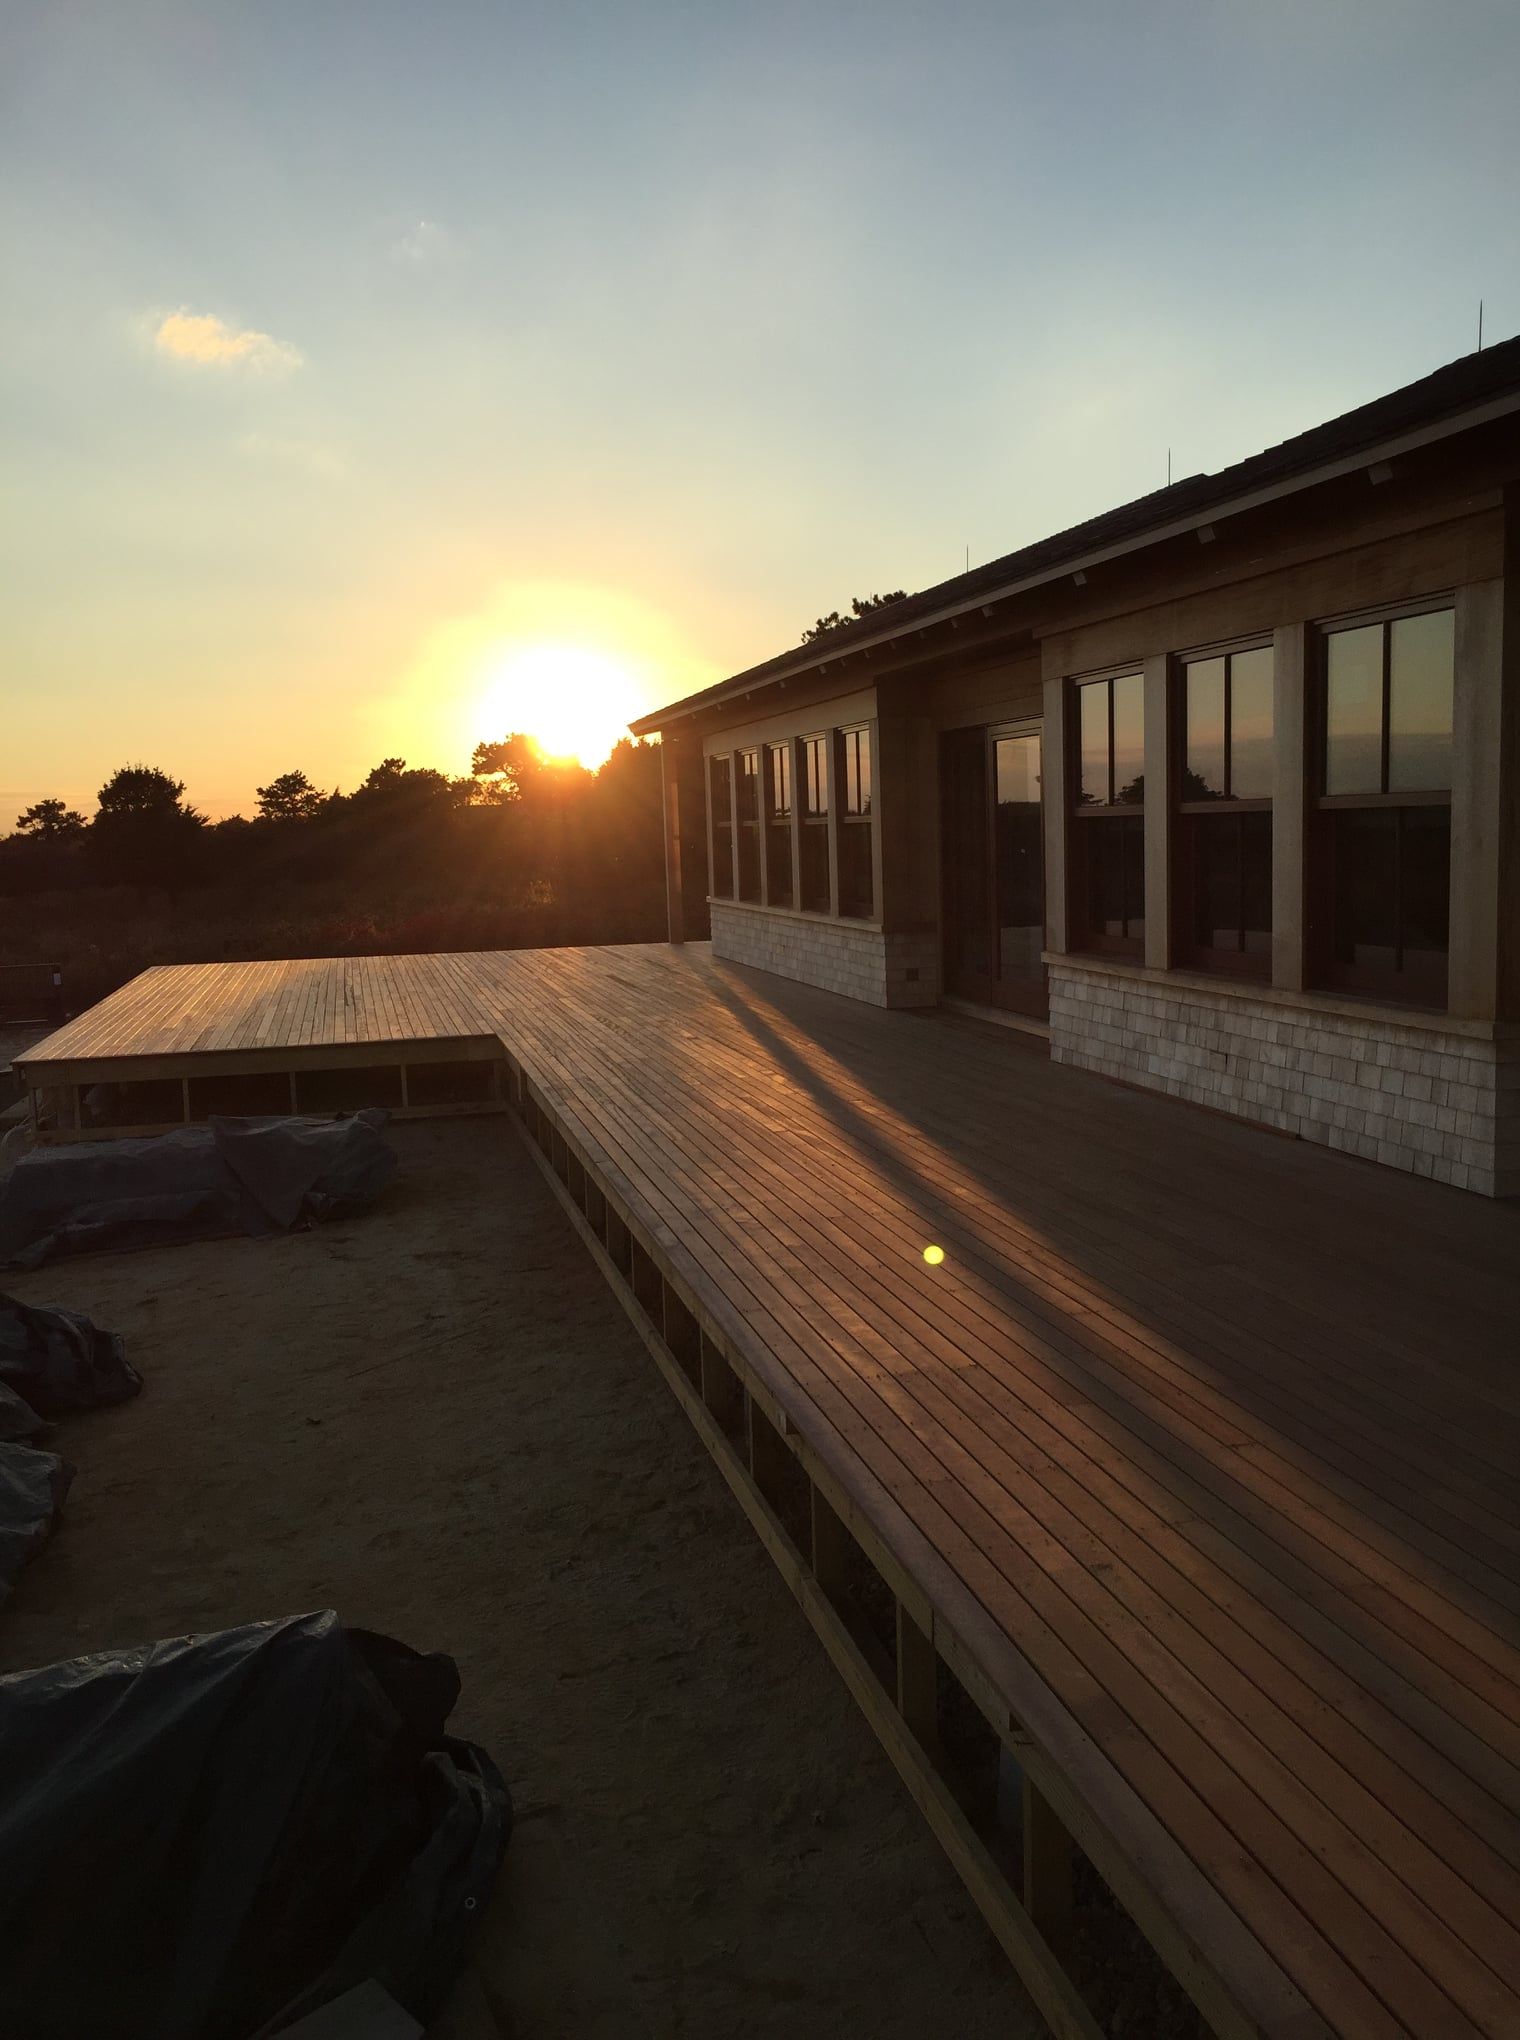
x,y
574,701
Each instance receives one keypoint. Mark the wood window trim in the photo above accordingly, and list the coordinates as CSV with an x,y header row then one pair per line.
x,y
1251,966
1426,989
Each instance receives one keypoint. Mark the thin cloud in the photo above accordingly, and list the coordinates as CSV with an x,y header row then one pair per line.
x,y
209,342
424,242
308,456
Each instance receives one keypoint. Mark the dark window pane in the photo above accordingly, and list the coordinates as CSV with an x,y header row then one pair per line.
x,y
1216,883
856,886
1251,724
747,780
1204,777
1114,852
778,863
1019,855
1129,737
1256,883
1365,931
815,867
718,789
1131,831
747,772
1425,882
1354,710
1420,659
720,803
863,758
1092,719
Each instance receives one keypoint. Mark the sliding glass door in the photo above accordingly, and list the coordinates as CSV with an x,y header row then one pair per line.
x,y
993,866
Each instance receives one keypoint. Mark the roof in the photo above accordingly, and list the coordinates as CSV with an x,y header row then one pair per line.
x,y
1460,387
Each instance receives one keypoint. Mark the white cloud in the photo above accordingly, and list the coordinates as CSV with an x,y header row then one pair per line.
x,y
206,341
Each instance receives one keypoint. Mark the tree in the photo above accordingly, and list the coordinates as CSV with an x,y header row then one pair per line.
x,y
143,790
520,771
290,798
860,605
49,821
143,831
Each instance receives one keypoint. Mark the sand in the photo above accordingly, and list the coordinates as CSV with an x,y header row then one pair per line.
x,y
437,1420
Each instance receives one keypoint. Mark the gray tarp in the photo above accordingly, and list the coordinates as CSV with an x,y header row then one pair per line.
x,y
32,1488
231,1175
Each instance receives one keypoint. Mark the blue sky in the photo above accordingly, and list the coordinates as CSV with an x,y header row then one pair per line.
x,y
345,348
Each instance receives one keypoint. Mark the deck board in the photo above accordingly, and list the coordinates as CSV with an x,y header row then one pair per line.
x,y
1203,1441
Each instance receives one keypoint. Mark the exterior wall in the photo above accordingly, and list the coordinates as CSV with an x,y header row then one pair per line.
x,y
854,958
1436,1097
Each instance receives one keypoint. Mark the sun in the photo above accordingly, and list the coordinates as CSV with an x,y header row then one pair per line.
x,y
574,702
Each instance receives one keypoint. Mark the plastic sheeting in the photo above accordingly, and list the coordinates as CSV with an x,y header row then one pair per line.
x,y
32,1488
217,1834
231,1175
59,1361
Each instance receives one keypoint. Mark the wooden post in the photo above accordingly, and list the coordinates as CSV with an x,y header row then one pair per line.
x,y
1054,752
917,1681
767,1452
670,792
831,1547
1482,893
184,1099
1158,816
1047,1869
721,1390
1291,795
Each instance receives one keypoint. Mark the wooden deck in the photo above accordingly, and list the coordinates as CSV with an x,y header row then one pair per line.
x,y
1196,1457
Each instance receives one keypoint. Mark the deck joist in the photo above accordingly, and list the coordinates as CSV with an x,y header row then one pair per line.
x,y
1194,1461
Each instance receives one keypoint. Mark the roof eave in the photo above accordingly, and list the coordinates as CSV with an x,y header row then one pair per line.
x,y
1374,450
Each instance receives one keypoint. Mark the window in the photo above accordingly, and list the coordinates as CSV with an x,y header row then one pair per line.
x,y
747,797
814,877
778,824
721,812
1383,848
1108,834
1224,837
857,885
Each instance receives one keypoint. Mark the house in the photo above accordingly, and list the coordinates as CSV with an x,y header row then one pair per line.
x,y
1220,788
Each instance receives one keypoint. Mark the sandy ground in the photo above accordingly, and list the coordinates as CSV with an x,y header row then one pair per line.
x,y
437,1420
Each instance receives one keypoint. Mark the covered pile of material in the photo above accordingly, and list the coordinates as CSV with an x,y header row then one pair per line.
x,y
52,1363
217,1834
229,1176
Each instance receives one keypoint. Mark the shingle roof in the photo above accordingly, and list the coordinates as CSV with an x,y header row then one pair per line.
x,y
1458,387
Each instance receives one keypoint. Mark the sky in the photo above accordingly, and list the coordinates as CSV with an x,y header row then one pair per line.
x,y
377,377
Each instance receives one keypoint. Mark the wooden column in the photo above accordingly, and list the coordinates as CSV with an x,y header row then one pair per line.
x,y
1483,880
1292,793
1158,816
670,791
1055,752
917,1681
905,798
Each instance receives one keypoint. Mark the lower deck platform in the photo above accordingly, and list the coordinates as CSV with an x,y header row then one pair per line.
x,y
1192,1461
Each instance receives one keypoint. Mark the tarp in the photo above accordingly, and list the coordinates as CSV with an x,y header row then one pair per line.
x,y
231,1175
59,1361
217,1834
32,1488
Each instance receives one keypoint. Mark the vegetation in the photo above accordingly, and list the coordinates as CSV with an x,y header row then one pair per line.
x,y
860,605
524,852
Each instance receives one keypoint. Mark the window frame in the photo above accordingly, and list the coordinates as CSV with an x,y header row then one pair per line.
x,y
1426,989
776,822
1189,954
862,819
818,824
720,764
753,824
1084,814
